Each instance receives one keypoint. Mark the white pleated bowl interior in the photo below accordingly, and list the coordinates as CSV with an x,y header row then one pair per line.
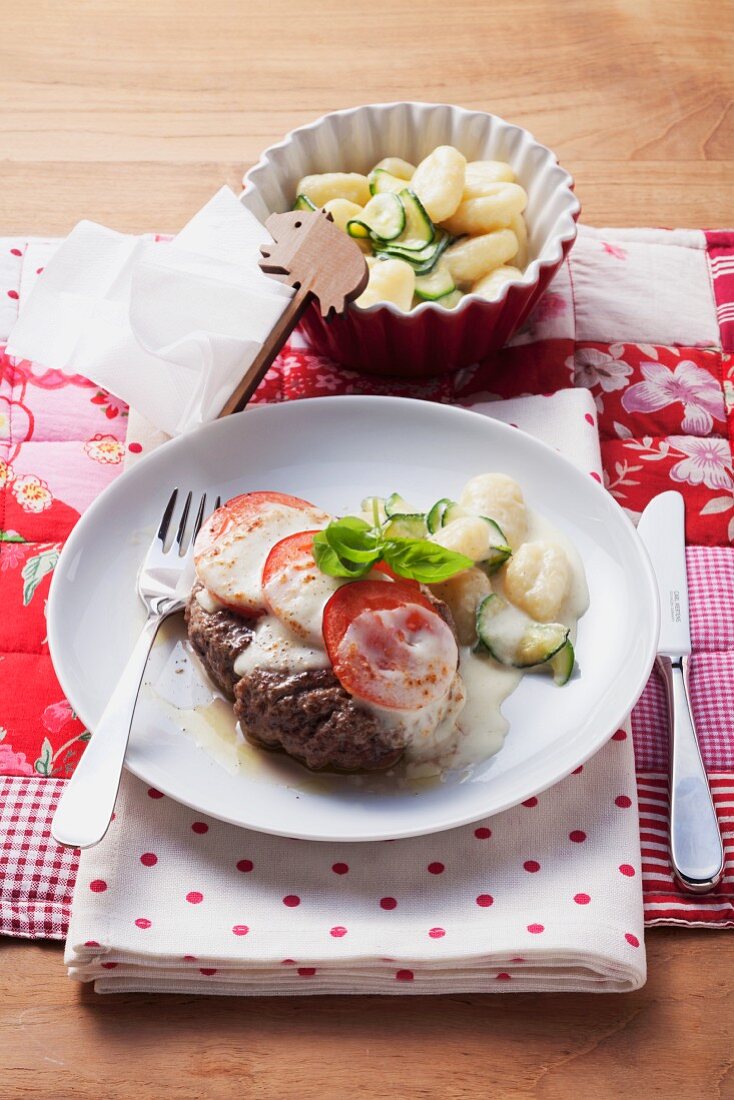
x,y
354,140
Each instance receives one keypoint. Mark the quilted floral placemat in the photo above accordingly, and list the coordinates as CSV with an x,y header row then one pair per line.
x,y
644,319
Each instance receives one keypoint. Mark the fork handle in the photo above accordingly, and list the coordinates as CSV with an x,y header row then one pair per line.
x,y
85,811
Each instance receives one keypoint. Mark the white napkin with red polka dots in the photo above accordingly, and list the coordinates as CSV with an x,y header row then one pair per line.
x,y
546,896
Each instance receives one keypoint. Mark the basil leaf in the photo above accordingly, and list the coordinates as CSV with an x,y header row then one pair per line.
x,y
424,561
353,540
332,564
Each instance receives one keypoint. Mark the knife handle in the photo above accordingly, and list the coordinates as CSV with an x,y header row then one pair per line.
x,y
696,850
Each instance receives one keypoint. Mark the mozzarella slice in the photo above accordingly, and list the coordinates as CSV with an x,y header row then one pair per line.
x,y
230,563
406,657
298,594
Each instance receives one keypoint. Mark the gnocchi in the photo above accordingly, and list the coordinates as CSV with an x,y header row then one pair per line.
x,y
481,177
468,260
462,594
342,211
489,286
537,579
390,281
519,227
453,223
500,497
468,535
493,210
335,185
438,182
396,166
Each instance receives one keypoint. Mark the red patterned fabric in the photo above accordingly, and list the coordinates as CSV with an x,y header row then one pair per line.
x,y
631,317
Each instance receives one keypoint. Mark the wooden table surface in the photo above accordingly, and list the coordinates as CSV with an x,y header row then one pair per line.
x,y
133,113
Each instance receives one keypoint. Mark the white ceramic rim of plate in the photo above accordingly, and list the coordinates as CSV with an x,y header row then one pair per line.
x,y
618,714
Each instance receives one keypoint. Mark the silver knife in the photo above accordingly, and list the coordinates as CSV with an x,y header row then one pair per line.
x,y
696,851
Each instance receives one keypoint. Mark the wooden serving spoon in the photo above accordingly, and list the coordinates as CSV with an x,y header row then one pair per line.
x,y
315,257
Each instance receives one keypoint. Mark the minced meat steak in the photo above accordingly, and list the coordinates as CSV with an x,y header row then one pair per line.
x,y
218,637
310,716
306,714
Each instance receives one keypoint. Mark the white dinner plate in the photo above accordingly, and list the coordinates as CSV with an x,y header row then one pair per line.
x,y
335,451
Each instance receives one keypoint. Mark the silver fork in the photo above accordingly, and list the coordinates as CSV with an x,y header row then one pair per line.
x,y
86,807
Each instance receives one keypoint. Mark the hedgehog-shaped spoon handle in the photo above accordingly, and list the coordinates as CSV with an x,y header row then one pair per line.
x,y
312,255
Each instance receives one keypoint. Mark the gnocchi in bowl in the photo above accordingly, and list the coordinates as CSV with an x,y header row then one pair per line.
x,y
431,233
393,330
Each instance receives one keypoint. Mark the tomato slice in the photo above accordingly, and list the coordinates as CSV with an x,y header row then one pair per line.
x,y
294,551
294,588
243,509
388,645
232,546
383,567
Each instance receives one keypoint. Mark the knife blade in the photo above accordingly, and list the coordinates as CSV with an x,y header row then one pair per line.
x,y
662,529
696,850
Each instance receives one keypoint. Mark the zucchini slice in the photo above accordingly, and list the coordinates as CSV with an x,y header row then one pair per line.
x,y
383,218
396,506
358,229
562,663
419,229
380,181
432,255
450,300
514,639
437,284
407,526
422,261
434,519
303,202
499,551
452,512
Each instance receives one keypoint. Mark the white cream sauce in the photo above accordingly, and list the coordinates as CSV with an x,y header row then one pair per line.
x,y
274,646
428,731
208,601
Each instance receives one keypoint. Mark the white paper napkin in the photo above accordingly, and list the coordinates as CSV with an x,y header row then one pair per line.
x,y
167,326
546,896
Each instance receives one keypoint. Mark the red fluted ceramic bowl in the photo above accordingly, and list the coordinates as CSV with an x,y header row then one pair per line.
x,y
430,339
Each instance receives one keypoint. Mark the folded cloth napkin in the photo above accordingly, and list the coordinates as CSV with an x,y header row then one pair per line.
x,y
546,896
168,326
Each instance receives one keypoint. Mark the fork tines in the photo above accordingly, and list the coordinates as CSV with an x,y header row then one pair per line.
x,y
183,538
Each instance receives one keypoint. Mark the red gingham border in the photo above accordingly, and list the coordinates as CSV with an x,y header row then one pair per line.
x,y
36,874
664,902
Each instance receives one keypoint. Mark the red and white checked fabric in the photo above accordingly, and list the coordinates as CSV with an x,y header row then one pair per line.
x,y
711,588
36,874
711,576
668,294
664,903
